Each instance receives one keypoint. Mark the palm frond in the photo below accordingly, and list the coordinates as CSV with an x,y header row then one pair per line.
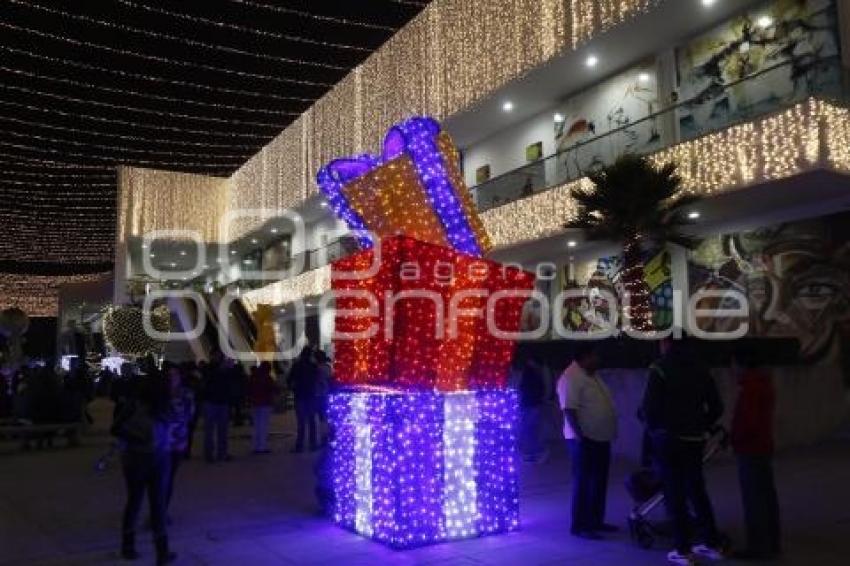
x,y
632,198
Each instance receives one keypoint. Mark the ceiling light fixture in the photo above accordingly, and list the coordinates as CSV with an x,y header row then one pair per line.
x,y
572,244
508,106
592,61
644,77
708,3
694,215
559,118
765,22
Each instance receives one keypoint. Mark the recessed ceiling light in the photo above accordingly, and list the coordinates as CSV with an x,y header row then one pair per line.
x,y
273,230
644,77
255,241
172,264
153,255
183,252
708,3
693,215
144,246
507,106
592,61
247,260
323,204
572,244
559,118
765,22
232,252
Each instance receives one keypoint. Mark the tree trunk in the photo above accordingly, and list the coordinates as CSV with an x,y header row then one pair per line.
x,y
637,307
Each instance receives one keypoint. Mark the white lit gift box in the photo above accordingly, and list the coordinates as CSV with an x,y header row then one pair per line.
x,y
413,468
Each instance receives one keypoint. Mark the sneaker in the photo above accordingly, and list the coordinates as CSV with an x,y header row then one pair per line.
x,y
705,551
675,557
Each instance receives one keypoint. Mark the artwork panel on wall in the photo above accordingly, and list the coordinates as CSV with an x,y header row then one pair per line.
x,y
623,107
796,277
758,62
534,152
482,174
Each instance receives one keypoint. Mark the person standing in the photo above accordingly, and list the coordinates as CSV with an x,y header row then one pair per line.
x,y
324,385
590,425
180,414
302,381
142,432
262,391
752,441
532,393
681,406
217,392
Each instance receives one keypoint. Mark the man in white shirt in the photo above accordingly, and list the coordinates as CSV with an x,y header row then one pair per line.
x,y
590,425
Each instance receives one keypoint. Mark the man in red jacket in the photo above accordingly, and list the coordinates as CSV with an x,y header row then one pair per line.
x,y
752,440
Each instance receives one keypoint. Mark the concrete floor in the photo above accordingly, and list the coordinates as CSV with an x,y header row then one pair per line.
x,y
256,510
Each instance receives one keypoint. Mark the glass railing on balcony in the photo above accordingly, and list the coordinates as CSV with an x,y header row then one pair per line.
x,y
717,108
305,261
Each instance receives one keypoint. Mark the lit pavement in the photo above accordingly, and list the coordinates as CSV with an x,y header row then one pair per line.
x,y
54,509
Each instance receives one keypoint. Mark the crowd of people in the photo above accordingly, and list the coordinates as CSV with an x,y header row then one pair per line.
x,y
157,410
681,410
41,393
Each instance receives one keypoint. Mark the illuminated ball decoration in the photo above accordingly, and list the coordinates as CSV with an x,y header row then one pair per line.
x,y
424,443
124,330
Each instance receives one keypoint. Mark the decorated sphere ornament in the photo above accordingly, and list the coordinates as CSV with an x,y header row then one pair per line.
x,y
424,427
124,331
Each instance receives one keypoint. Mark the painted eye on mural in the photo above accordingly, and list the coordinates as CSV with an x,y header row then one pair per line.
x,y
816,290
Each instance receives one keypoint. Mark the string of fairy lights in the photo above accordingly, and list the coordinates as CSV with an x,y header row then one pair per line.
x,y
206,104
224,106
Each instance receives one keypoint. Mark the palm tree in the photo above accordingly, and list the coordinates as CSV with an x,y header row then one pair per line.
x,y
637,204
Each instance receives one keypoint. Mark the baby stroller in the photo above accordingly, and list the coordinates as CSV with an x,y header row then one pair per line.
x,y
644,486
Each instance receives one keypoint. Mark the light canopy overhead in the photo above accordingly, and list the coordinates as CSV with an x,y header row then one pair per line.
x,y
195,86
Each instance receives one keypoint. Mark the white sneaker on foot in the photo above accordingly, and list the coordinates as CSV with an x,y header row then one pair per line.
x,y
705,551
675,557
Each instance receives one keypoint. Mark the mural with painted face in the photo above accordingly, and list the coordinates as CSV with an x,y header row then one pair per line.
x,y
796,277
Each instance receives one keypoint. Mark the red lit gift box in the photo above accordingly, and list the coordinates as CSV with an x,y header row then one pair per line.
x,y
415,315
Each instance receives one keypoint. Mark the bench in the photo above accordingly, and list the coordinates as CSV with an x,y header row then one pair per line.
x,y
42,434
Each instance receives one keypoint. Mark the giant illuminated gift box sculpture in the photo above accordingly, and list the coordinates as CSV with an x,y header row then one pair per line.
x,y
425,427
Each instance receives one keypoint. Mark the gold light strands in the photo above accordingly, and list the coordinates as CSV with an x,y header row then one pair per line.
x,y
141,110
151,95
245,29
229,157
312,16
307,284
111,160
159,141
175,38
453,54
158,59
38,295
142,125
153,200
809,135
151,78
